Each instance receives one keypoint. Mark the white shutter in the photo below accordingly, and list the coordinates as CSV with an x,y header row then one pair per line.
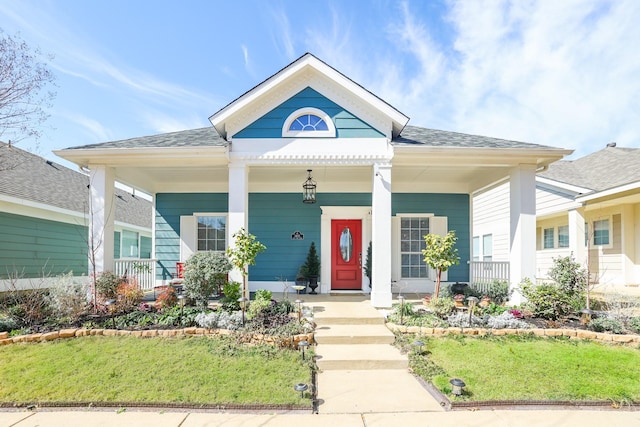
x,y
188,236
438,225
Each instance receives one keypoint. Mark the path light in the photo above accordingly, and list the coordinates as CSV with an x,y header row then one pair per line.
x,y
299,302
472,305
301,387
111,308
309,189
585,316
181,299
419,344
243,306
401,299
458,385
302,345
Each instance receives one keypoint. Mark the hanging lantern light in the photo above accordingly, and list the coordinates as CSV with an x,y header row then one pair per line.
x,y
309,189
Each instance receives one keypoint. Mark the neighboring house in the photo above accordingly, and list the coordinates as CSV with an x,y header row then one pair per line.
x,y
588,208
369,177
44,214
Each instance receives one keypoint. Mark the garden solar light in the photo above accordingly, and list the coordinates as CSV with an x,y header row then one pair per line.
x,y
181,299
419,344
303,344
301,387
110,307
472,305
458,385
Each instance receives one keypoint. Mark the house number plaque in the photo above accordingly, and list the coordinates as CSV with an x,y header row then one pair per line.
x,y
297,236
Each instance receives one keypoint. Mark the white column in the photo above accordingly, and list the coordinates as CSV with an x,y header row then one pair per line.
x,y
238,206
576,235
381,236
628,255
522,254
101,219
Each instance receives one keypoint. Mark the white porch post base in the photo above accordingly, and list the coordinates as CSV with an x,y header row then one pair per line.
x,y
101,219
381,236
238,204
523,227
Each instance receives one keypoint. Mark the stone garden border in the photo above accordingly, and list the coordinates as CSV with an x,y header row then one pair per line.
x,y
290,342
579,334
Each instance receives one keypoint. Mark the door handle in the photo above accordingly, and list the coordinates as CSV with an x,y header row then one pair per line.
x,y
360,260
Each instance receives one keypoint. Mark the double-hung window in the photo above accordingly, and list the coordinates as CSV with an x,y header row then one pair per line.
x,y
601,232
548,238
412,232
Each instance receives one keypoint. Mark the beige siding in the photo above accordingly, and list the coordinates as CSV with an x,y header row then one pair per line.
x,y
550,200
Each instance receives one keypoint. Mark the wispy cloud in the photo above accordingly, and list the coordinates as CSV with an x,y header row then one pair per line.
x,y
161,123
281,32
95,130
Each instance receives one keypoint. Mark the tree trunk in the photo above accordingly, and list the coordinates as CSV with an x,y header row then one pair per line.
x,y
437,290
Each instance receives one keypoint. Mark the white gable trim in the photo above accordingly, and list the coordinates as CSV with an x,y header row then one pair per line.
x,y
562,185
308,71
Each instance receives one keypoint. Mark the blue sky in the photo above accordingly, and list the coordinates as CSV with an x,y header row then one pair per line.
x,y
560,73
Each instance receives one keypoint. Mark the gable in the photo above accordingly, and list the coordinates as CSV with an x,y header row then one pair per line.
x,y
347,125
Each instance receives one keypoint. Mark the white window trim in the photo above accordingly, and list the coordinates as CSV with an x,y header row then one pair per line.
x,y
592,230
554,243
557,237
331,132
122,239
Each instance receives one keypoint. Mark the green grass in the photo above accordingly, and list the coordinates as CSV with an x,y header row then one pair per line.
x,y
196,370
524,368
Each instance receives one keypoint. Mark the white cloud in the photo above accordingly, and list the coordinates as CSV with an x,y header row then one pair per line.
x,y
93,128
163,123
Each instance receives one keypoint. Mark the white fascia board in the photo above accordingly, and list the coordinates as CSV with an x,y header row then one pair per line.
x,y
218,120
562,185
133,156
609,192
40,210
119,225
481,156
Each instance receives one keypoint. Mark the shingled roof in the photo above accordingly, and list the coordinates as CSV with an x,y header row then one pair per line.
x,y
602,170
410,136
27,176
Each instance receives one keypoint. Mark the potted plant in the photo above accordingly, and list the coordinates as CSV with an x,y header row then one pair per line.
x,y
311,268
459,299
367,265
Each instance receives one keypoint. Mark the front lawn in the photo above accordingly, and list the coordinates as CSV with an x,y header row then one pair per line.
x,y
194,370
528,368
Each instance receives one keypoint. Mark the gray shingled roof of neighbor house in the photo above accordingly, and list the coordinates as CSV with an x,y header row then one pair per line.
x,y
602,170
410,136
27,176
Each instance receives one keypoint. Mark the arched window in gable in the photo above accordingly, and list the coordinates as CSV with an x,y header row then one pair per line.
x,y
308,122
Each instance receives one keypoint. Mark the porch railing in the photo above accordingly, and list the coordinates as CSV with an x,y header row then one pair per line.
x,y
485,272
144,270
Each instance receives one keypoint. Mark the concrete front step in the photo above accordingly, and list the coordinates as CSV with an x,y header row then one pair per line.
x,y
349,320
360,356
353,334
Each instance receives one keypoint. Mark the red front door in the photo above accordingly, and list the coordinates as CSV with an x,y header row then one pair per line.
x,y
346,254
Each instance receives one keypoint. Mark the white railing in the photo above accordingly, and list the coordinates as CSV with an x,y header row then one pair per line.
x,y
144,270
485,272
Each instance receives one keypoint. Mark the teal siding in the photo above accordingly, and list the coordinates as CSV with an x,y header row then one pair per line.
x,y
274,217
456,208
169,208
33,247
145,247
116,245
347,125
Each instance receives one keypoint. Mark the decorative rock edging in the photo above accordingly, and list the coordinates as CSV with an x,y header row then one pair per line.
x,y
291,342
540,332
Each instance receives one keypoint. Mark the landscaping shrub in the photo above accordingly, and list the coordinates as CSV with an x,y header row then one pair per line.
x,y
7,324
506,320
220,319
167,298
548,301
494,309
634,324
232,292
28,308
68,296
107,285
606,324
261,302
204,274
128,295
499,291
569,275
442,306
462,320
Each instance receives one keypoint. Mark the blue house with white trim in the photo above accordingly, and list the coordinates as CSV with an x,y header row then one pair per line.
x,y
376,180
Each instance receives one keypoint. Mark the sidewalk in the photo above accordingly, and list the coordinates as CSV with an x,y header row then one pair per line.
x,y
510,418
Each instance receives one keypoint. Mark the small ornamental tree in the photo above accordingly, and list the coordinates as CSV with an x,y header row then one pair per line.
x,y
440,254
368,269
243,254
